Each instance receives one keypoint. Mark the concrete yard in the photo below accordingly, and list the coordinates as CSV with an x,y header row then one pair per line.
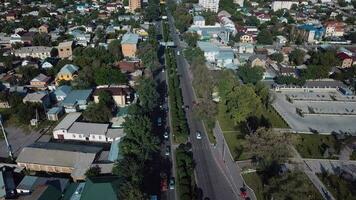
x,y
331,114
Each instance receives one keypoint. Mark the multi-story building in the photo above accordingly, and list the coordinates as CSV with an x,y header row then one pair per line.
x,y
334,29
212,5
134,4
41,52
65,49
122,95
278,5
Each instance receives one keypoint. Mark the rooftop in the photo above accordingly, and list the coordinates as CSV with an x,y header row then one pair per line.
x,y
129,38
88,128
67,121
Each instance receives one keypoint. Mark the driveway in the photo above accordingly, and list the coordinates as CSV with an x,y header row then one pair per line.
x,y
18,139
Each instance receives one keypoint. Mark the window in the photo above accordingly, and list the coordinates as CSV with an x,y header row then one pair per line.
x,y
99,137
61,49
93,136
80,136
73,135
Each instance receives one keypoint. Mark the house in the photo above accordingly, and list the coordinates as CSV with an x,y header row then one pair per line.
x,y
334,29
76,100
287,71
43,28
62,92
37,97
134,4
216,32
210,50
65,49
43,192
129,44
257,60
67,73
70,129
41,52
281,39
27,37
127,66
122,95
263,17
225,59
198,20
29,184
54,113
245,48
7,182
310,32
346,60
11,16
279,5
46,65
58,158
94,188
246,38
40,81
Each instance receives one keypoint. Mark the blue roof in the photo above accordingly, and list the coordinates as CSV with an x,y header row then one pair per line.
x,y
129,38
75,96
68,69
114,151
198,18
2,186
223,55
63,90
318,29
207,46
54,110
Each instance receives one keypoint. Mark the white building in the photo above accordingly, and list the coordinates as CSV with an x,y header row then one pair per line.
x,y
278,5
41,52
212,5
70,129
198,20
210,50
228,24
239,2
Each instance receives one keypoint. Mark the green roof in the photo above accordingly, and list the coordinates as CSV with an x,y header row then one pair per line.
x,y
50,193
99,187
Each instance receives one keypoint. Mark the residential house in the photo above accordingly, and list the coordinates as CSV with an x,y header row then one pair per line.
x,y
67,73
30,183
15,38
11,16
65,49
346,60
281,39
279,5
198,20
127,66
62,92
38,97
212,5
70,129
129,44
94,188
122,95
334,29
210,50
43,192
310,32
55,113
43,28
27,38
245,48
287,71
76,100
58,158
258,60
40,81
134,4
246,38
46,65
263,17
215,32
41,52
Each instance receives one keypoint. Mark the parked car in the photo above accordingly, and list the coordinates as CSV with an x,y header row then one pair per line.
x,y
171,183
164,185
166,135
198,135
159,121
168,151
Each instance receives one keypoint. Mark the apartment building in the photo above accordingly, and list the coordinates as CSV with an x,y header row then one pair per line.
x,y
41,52
212,5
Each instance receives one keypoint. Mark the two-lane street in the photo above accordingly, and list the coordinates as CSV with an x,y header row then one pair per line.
x,y
210,178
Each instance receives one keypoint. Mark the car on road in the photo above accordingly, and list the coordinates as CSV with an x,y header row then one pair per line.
x,y
168,151
164,185
198,135
166,135
159,121
178,53
171,183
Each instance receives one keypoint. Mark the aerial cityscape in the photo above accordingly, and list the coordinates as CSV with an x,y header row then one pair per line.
x,y
178,99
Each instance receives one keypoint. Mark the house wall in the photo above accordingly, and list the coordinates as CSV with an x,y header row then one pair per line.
x,y
38,83
120,100
246,39
210,56
129,50
134,4
65,77
65,52
346,63
46,168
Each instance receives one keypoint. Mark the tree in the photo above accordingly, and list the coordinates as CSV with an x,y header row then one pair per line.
x,y
250,74
114,49
106,98
297,56
108,76
269,146
148,55
97,113
242,103
252,21
129,191
278,57
265,37
54,52
148,96
41,39
93,171
210,17
191,38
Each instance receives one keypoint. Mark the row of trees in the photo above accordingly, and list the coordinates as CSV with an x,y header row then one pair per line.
x,y
179,122
185,173
148,50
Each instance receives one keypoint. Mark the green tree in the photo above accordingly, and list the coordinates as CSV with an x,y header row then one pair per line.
x,y
108,76
265,37
252,21
278,57
148,55
297,56
250,74
148,96
106,98
242,103
114,49
191,38
97,113
210,17
93,171
41,39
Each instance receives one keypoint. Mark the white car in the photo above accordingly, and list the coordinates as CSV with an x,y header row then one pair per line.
x,y
166,135
198,135
178,53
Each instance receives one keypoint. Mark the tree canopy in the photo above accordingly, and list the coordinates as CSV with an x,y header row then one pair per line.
x,y
250,74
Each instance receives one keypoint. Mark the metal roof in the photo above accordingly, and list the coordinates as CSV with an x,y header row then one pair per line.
x,y
67,121
129,38
88,128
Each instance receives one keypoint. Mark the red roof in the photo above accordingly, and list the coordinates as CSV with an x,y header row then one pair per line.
x,y
343,56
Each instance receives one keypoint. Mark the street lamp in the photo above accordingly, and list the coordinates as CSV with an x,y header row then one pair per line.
x,y
5,137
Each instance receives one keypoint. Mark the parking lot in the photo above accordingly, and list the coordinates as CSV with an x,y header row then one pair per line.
x,y
329,116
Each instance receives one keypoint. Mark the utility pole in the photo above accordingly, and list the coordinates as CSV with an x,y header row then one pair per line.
x,y
5,137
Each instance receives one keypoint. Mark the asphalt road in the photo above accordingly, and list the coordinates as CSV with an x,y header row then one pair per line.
x,y
210,179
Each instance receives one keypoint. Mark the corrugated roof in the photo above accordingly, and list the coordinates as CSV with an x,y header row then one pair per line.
x,y
88,128
99,187
31,182
207,46
129,38
68,69
63,90
76,95
67,121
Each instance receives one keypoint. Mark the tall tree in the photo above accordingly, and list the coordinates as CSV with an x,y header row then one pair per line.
x,y
148,95
114,49
250,74
297,56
